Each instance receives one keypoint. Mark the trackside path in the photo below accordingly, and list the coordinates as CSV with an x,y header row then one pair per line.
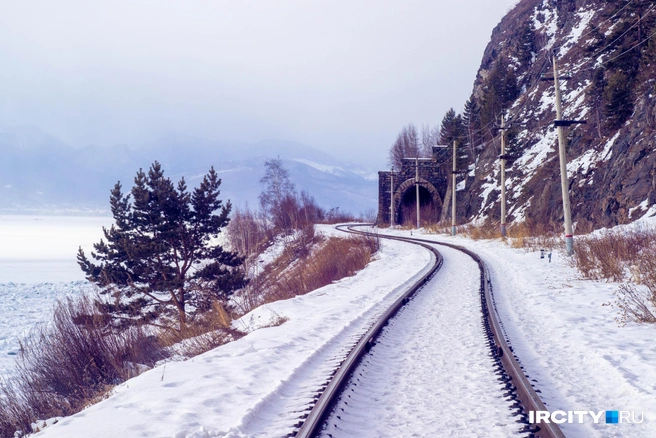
x,y
430,373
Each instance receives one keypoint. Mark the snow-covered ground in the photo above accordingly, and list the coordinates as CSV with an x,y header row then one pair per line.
x,y
564,335
259,384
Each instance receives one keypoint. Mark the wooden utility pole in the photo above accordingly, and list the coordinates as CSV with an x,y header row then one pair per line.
x,y
564,183
503,177
453,192
417,189
392,197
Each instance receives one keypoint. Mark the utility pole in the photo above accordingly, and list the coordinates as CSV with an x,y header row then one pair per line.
x,y
417,188
560,125
503,177
392,198
453,192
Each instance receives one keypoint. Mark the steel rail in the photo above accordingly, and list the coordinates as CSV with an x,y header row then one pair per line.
x,y
324,404
517,383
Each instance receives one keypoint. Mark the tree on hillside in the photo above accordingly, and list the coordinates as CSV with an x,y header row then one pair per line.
x,y
160,260
277,193
452,130
407,145
499,91
471,123
618,102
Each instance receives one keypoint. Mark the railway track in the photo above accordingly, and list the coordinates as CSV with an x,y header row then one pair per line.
x,y
516,385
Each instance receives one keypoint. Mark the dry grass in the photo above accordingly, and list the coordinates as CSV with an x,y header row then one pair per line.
x,y
614,256
77,359
298,272
534,236
211,330
486,230
635,304
65,365
628,257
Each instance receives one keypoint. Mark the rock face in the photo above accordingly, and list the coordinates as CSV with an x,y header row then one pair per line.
x,y
607,51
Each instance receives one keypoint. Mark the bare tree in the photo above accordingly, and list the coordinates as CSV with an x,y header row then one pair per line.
x,y
407,145
277,191
429,137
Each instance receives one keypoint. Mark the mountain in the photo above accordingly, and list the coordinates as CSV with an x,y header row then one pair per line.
x,y
606,53
40,173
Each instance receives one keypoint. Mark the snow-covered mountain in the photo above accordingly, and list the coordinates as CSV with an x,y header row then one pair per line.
x,y
606,53
39,173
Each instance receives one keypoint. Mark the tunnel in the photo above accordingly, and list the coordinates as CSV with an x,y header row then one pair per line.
x,y
429,210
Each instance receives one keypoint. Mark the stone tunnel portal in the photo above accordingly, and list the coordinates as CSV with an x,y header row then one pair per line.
x,y
430,205
398,189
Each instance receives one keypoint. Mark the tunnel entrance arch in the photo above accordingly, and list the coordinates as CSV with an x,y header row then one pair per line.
x,y
405,202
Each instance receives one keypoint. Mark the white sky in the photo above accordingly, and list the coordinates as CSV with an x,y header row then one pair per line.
x,y
342,76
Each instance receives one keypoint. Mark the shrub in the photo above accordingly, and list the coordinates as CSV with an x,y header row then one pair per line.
x,y
634,304
628,257
65,365
612,256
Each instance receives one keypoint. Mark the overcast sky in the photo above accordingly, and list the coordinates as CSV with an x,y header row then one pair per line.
x,y
343,76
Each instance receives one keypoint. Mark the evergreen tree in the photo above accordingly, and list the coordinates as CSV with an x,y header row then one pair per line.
x,y
160,261
451,128
527,46
471,121
618,102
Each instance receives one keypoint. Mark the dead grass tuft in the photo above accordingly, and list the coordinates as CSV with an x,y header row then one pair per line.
x,y
628,257
65,365
211,330
332,259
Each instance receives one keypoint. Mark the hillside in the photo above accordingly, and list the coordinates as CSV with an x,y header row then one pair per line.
x,y
609,50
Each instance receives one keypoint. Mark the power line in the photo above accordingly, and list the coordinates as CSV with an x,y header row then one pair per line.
x,y
600,52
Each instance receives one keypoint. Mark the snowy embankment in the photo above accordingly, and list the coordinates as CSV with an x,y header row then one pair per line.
x,y
249,387
566,337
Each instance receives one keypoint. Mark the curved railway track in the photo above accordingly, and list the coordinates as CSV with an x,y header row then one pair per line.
x,y
510,371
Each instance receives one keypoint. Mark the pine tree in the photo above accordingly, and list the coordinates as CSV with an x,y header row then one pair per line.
x,y
527,46
160,262
618,102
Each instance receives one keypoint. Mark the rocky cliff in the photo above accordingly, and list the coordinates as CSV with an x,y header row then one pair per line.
x,y
606,52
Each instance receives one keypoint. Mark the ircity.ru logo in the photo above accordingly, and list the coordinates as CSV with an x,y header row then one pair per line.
x,y
560,417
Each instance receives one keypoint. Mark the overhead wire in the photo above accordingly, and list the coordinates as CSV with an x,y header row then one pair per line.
x,y
600,52
515,112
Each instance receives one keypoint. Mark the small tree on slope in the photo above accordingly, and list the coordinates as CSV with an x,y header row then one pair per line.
x,y
160,262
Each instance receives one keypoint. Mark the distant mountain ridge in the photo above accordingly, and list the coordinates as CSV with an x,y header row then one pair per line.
x,y
41,174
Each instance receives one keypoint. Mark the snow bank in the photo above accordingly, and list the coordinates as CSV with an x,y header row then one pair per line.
x,y
565,336
242,388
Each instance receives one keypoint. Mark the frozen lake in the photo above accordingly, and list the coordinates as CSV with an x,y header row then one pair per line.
x,y
38,249
37,267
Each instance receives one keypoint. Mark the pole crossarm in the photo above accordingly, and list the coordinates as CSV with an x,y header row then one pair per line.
x,y
558,123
